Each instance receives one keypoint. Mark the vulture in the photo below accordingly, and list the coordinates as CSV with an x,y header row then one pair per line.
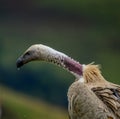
x,y
90,96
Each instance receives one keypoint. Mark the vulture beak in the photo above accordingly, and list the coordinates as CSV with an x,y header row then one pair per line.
x,y
25,58
19,62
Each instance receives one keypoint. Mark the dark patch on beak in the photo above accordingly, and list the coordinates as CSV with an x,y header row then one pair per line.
x,y
19,62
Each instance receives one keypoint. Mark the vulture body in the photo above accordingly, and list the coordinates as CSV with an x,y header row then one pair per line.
x,y
90,96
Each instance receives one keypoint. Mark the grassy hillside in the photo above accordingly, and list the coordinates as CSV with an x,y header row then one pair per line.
x,y
18,106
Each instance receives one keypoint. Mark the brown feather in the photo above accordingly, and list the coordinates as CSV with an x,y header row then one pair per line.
x,y
108,96
107,92
92,73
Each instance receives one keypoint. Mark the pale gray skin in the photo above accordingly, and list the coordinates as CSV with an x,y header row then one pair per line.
x,y
90,96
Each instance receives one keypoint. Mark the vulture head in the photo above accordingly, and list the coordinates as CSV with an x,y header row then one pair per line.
x,y
35,52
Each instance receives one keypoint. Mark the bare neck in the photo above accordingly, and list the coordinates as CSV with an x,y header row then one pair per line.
x,y
50,55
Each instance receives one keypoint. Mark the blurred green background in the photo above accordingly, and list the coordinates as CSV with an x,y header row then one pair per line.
x,y
85,30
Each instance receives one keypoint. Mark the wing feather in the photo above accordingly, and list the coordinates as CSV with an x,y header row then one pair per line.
x,y
110,96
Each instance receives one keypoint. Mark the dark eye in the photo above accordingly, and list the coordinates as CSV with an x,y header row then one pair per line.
x,y
27,53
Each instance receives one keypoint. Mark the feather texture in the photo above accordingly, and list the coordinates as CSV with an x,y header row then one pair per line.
x,y
110,97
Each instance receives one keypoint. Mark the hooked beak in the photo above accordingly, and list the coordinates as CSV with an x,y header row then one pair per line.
x,y
19,62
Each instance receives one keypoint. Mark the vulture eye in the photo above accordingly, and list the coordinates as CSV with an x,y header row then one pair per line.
x,y
27,53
